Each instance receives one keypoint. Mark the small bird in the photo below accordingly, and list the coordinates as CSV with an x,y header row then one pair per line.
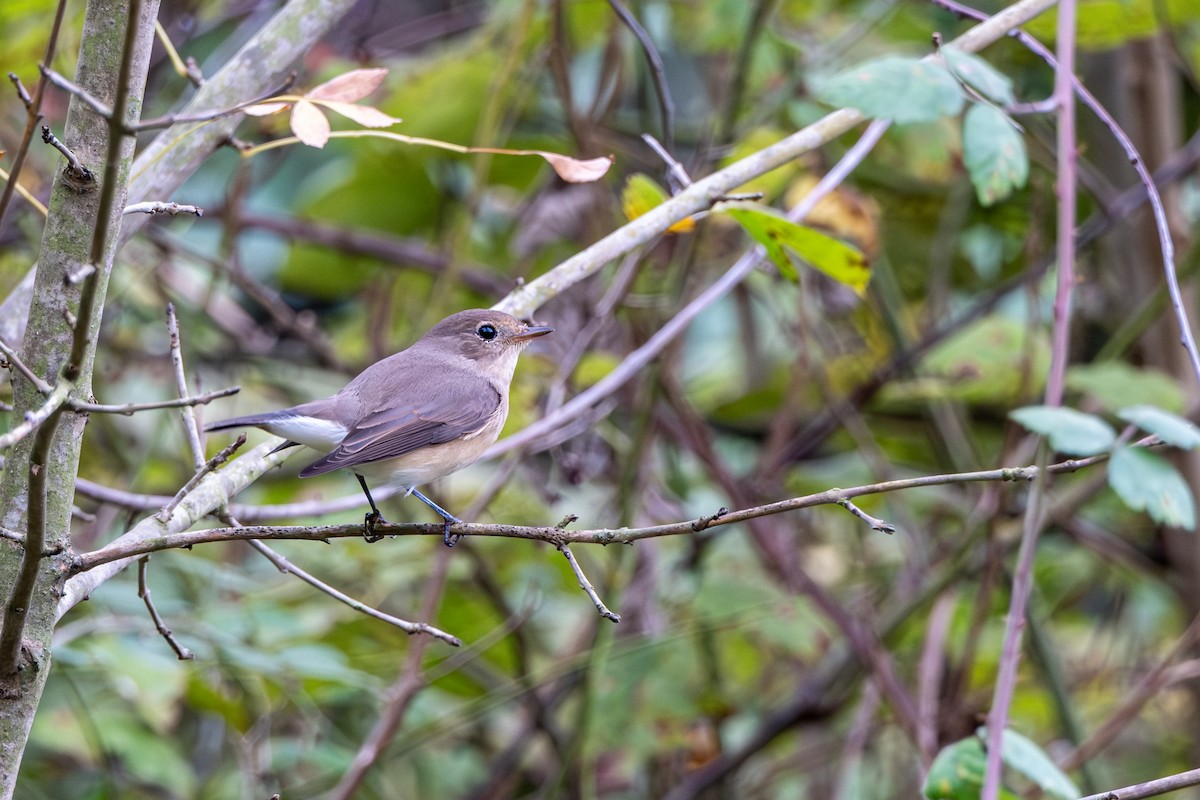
x,y
415,416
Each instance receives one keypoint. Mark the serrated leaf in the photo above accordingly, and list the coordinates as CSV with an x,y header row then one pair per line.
x,y
1069,431
1146,482
957,773
894,87
1023,755
779,235
309,124
1171,428
979,75
642,193
993,153
349,86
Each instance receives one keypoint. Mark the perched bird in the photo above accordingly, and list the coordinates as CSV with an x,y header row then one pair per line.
x,y
413,417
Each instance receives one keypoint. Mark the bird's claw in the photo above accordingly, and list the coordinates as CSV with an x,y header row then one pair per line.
x,y
372,519
449,538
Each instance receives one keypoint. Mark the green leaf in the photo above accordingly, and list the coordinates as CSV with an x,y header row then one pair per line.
x,y
894,87
1117,384
957,773
994,153
1068,430
779,235
1145,481
1022,755
1172,429
979,75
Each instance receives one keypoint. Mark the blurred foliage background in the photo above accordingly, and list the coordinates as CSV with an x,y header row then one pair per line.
x,y
732,652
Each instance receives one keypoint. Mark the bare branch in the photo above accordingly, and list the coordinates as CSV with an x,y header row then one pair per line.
x,y
288,568
1154,788
188,414
35,418
11,359
214,462
144,592
156,207
22,94
82,178
876,524
130,546
75,89
129,409
586,585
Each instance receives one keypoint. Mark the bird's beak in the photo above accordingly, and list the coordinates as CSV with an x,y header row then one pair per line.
x,y
532,332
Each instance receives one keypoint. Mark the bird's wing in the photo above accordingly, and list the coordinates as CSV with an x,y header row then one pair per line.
x,y
452,411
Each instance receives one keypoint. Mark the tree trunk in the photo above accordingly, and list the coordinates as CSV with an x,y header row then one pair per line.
x,y
66,251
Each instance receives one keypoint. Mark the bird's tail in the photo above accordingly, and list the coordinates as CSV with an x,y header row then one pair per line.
x,y
251,421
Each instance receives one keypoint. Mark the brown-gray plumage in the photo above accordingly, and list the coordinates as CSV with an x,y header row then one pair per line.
x,y
416,416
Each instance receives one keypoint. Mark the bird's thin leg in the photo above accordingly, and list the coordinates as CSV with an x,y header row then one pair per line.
x,y
372,519
447,517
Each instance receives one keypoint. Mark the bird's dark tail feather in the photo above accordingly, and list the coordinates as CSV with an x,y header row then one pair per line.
x,y
252,421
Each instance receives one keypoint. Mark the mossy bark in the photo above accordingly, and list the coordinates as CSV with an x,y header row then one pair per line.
x,y
65,252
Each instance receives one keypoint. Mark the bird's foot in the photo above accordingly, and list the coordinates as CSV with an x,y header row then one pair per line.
x,y
372,519
449,538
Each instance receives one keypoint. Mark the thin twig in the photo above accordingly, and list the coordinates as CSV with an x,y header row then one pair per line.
x,y
214,462
78,274
1154,788
80,175
144,592
129,409
875,523
1166,242
123,548
158,207
17,608
207,116
33,112
288,568
1022,584
159,122
187,412
635,362
69,86
11,359
399,695
658,72
35,418
135,501
673,166
1146,689
190,70
586,585
22,94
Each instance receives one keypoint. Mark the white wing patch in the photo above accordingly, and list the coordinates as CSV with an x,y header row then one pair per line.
x,y
319,434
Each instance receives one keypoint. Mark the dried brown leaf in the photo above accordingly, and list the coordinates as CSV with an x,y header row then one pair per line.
x,y
573,170
364,115
264,109
349,86
309,124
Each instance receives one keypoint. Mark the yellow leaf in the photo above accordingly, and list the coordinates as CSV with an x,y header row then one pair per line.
x,y
641,194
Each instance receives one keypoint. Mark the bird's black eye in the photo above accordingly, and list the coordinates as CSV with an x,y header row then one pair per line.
x,y
486,332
